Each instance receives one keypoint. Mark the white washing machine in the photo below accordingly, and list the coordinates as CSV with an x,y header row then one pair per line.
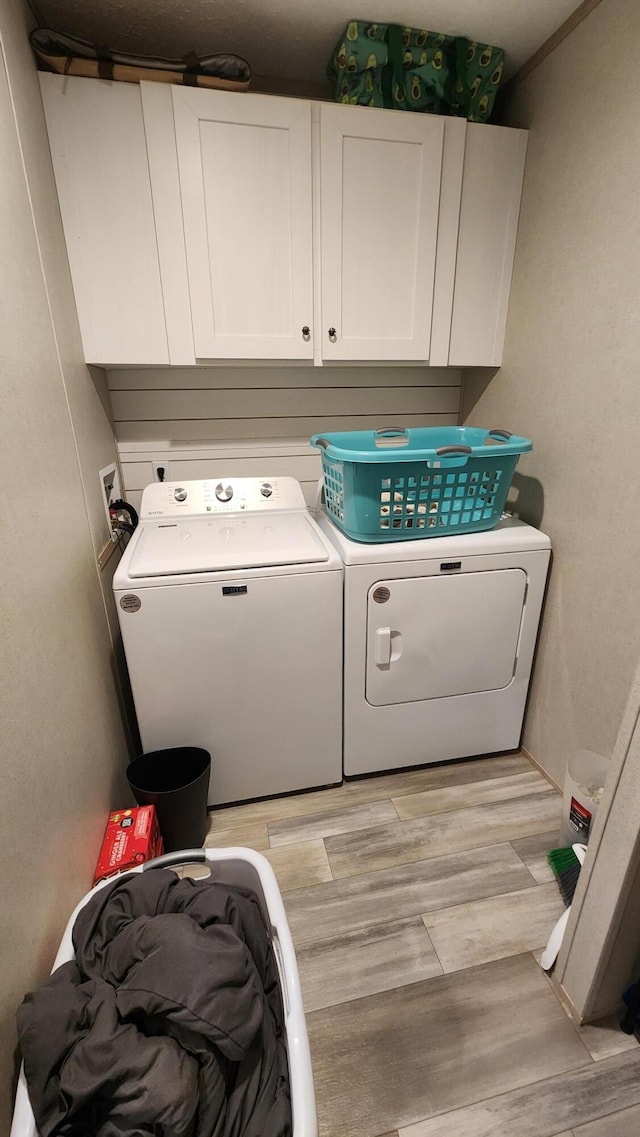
x,y
439,637
230,604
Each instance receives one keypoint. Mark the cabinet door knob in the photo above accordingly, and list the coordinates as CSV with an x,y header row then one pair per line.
x,y
332,335
306,333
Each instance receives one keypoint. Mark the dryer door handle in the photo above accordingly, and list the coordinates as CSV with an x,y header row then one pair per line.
x,y
382,647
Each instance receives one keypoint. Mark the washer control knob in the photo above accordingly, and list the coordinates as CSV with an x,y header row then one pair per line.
x,y
266,489
180,494
224,493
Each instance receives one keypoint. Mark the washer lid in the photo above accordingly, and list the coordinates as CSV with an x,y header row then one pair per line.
x,y
209,544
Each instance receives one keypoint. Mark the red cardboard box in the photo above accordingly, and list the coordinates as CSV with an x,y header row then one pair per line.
x,y
131,837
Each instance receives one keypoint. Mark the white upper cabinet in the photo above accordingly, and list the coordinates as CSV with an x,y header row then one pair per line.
x,y
208,225
380,198
97,142
245,182
491,191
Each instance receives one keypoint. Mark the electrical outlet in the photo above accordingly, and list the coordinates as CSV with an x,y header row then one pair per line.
x,y
110,487
161,471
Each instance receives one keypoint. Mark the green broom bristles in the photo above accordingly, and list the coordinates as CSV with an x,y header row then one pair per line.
x,y
562,859
566,868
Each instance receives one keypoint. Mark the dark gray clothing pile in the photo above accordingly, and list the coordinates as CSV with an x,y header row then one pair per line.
x,y
169,1022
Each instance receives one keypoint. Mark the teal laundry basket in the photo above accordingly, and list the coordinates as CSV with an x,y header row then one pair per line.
x,y
398,484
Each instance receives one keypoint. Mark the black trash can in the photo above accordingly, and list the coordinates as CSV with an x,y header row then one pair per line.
x,y
176,782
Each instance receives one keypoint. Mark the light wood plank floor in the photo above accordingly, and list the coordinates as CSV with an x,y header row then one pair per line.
x,y
419,903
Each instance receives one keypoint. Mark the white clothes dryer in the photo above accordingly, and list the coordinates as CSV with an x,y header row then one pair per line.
x,y
439,638
230,604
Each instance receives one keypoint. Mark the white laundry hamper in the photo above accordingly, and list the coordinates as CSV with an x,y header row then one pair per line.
x,y
242,868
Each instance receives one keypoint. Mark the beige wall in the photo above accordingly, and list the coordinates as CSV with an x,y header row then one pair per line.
x,y
571,378
86,390
62,745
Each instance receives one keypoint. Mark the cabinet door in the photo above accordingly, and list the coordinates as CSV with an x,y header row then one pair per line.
x,y
97,141
380,196
491,191
245,181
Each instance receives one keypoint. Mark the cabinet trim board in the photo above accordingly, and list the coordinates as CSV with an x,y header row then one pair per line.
x,y
234,429
447,247
288,402
239,378
165,192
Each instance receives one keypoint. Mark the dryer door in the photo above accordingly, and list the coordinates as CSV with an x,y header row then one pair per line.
x,y
436,636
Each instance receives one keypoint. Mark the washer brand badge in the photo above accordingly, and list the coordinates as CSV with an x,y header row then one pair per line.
x,y
381,595
234,589
130,603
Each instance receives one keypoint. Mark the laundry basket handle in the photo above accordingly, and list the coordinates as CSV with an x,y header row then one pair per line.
x,y
182,857
386,431
504,434
323,442
453,450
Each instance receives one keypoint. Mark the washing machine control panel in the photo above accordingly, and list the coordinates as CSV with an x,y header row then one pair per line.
x,y
221,495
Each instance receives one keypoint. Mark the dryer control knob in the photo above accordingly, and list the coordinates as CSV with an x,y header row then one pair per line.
x,y
224,493
266,489
180,494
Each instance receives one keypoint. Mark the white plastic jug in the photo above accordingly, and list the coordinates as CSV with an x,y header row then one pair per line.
x,y
583,788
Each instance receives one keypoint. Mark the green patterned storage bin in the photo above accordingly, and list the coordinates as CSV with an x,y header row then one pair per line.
x,y
386,65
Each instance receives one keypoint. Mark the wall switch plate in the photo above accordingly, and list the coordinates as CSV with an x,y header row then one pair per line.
x,y
110,487
161,471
